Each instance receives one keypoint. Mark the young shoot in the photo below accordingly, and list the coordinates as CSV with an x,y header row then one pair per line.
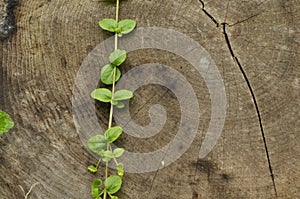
x,y
102,144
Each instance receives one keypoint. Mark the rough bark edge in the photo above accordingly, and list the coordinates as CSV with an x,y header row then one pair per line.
x,y
8,26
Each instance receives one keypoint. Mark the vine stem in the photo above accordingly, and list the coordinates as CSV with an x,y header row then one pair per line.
x,y
113,92
115,69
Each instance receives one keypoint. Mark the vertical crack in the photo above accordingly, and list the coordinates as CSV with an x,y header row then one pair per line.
x,y
254,100
236,60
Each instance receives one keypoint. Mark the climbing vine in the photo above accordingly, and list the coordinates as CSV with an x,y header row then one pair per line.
x,y
102,144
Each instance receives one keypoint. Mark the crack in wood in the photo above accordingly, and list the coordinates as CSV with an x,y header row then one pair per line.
x,y
254,101
236,60
241,21
152,183
209,15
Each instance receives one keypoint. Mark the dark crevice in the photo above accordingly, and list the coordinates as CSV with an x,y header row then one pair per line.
x,y
209,15
7,19
254,100
236,60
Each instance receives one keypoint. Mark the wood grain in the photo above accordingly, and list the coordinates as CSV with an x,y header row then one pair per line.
x,y
40,61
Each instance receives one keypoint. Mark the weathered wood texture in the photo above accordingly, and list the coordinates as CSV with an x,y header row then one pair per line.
x,y
39,65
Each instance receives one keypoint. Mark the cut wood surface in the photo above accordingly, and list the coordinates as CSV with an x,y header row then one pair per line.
x,y
40,61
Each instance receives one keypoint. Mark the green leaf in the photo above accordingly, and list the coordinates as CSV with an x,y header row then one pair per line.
x,y
101,94
107,156
92,169
114,102
123,95
97,143
96,190
120,169
97,183
6,122
113,184
109,25
118,152
113,133
107,74
120,105
117,57
126,26
106,159
114,197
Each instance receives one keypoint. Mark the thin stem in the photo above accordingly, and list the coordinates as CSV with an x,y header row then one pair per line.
x,y
106,175
117,19
115,160
105,194
110,195
117,10
115,70
112,97
98,163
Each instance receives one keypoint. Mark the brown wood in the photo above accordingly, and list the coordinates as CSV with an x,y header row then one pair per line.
x,y
38,69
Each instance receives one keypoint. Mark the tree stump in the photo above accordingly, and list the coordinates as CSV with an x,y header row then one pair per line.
x,y
39,64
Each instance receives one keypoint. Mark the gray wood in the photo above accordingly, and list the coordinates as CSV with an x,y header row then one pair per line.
x,y
40,62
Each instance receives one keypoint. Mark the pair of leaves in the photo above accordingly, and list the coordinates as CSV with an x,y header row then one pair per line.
x,y
116,58
6,122
111,185
106,156
105,95
122,27
98,143
120,166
